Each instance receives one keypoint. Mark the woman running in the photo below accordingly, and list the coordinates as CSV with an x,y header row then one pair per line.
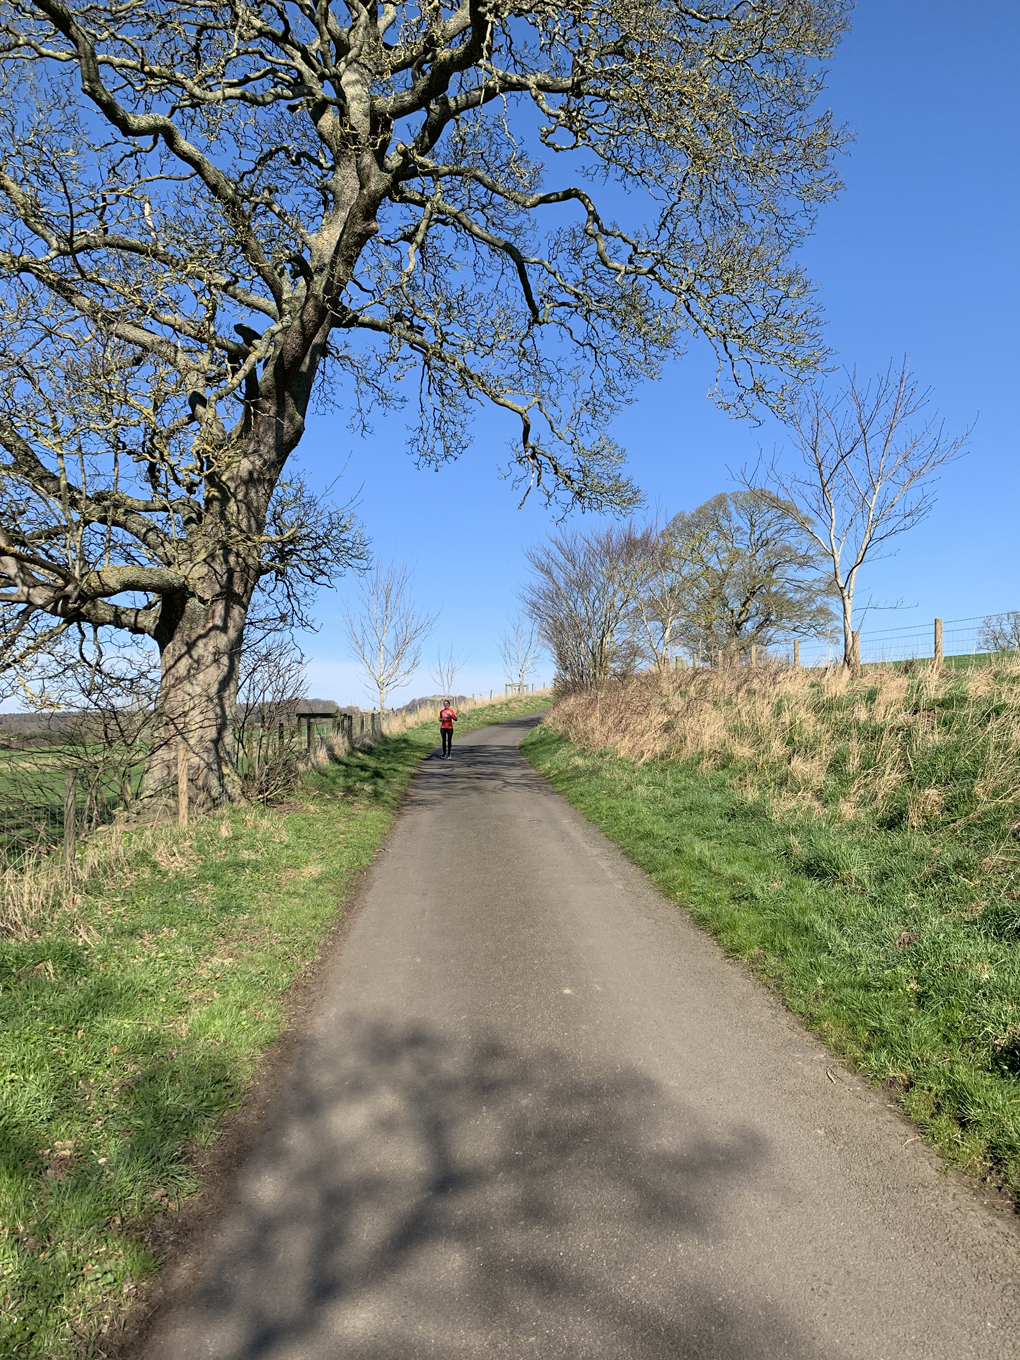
x,y
447,717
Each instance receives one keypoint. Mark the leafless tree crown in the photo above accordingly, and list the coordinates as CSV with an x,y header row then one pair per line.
x,y
867,460
1000,632
445,668
519,649
386,629
580,595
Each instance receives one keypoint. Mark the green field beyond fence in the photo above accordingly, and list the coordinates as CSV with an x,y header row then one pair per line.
x,y
54,780
953,642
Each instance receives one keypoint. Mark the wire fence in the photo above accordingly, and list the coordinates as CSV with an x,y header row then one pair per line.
x,y
45,787
57,785
955,642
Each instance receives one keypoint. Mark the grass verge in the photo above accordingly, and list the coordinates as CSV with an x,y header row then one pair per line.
x,y
882,936
131,1021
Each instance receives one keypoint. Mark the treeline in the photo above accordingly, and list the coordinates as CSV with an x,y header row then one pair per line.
x,y
739,571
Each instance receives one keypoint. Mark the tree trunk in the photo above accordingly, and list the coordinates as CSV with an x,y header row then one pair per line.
x,y
848,632
200,645
200,632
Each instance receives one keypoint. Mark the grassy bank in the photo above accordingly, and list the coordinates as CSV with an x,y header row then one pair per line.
x,y
132,1017
857,844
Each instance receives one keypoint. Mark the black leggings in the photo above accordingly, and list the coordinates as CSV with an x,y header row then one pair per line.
x,y
447,740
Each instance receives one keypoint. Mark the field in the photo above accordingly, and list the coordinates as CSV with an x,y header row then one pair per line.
x,y
133,1014
857,843
32,773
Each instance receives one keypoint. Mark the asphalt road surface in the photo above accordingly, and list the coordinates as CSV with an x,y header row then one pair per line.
x,y
540,1115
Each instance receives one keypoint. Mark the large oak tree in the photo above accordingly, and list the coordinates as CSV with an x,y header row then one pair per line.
x,y
211,210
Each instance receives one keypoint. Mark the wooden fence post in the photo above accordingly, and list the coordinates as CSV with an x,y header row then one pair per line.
x,y
937,653
855,651
182,782
796,654
754,656
70,821
718,659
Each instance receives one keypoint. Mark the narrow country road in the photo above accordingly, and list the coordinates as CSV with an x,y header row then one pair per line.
x,y
540,1115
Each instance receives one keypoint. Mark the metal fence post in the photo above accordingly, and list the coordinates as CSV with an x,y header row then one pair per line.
x,y
182,782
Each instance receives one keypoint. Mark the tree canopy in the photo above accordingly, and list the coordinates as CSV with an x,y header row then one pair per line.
x,y
205,207
752,574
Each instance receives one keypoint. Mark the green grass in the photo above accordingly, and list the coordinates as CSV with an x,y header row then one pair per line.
x,y
899,947
958,661
128,1027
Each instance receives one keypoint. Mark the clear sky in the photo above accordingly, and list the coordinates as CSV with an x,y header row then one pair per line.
x,y
917,257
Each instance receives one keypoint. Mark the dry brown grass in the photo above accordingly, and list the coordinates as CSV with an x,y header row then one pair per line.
x,y
38,890
820,740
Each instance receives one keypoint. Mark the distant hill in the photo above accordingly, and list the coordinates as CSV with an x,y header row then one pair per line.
x,y
36,724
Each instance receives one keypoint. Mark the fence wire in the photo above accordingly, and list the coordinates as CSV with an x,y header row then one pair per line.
x,y
47,776
963,643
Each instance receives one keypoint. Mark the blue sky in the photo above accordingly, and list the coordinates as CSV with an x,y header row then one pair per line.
x,y
917,257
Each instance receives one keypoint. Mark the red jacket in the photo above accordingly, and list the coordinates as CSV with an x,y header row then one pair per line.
x,y
447,718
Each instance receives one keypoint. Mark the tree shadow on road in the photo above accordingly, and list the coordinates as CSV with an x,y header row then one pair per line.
x,y
450,1197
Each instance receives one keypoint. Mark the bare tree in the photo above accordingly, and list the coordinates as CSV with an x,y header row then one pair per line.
x,y
868,460
386,630
64,565
1000,632
750,573
203,210
519,648
663,592
446,667
581,597
273,674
